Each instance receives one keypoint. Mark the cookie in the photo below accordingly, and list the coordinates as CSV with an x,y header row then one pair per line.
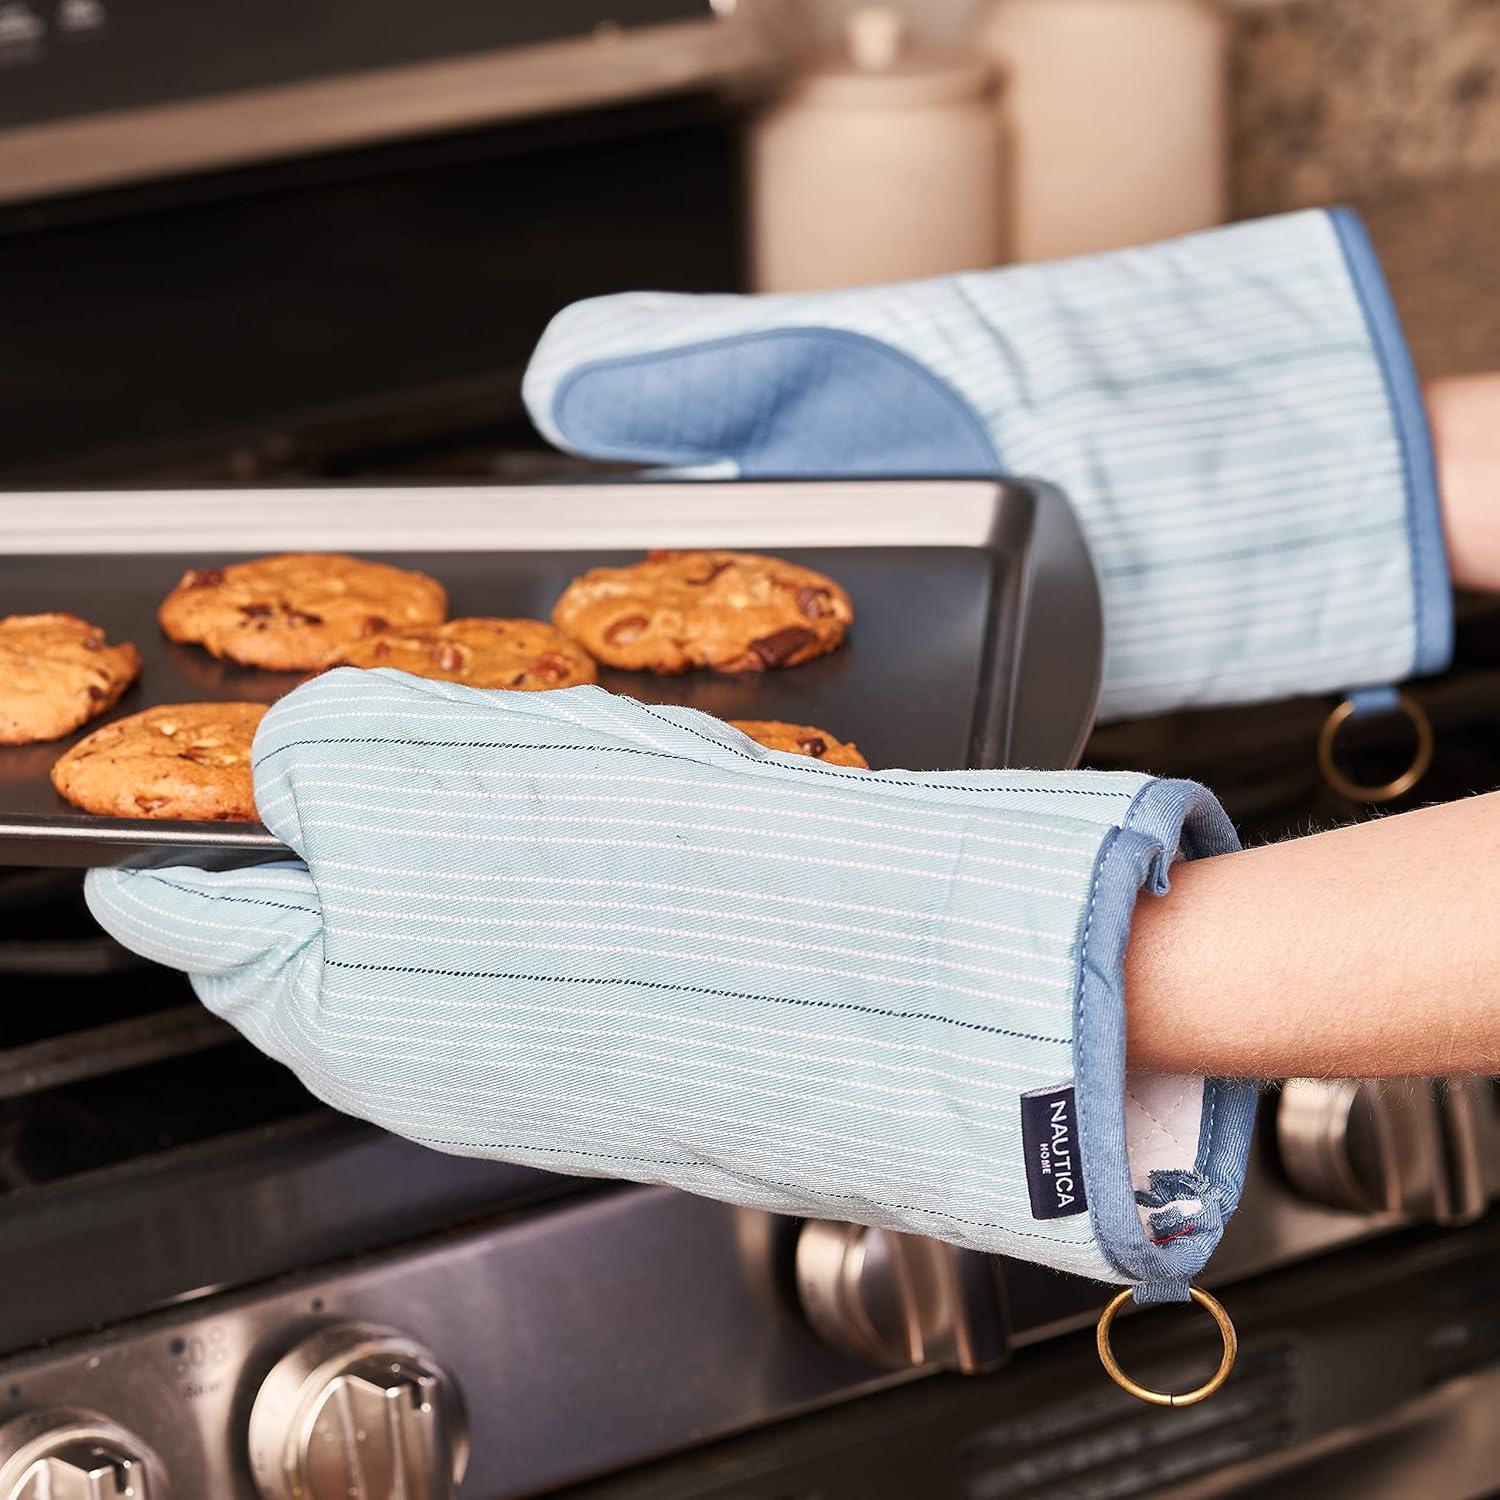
x,y
289,613
185,760
526,655
729,611
57,672
801,739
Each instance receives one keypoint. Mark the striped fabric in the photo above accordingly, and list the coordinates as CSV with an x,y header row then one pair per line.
x,y
569,930
1232,414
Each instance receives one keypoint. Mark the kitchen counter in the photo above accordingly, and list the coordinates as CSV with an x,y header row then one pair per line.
x,y
1437,243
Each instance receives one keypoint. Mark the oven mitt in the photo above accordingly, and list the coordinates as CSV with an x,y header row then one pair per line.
x,y
1234,416
570,930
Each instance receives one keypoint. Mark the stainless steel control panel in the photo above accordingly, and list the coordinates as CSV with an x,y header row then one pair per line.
x,y
637,1322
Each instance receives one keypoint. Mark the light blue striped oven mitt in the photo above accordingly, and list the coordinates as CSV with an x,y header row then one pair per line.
x,y
574,931
1234,416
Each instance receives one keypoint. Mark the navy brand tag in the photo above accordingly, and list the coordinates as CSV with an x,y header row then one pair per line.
x,y
1049,1138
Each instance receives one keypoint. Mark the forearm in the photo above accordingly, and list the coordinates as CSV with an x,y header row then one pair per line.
x,y
1369,951
1464,413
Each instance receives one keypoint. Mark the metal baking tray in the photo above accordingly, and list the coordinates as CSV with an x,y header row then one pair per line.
x,y
977,637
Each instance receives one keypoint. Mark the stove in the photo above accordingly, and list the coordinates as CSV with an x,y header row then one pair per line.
x,y
216,1284
211,1280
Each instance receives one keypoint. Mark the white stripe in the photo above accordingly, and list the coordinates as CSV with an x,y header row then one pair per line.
x,y
1199,390
1259,627
417,1087
468,878
933,922
1289,669
552,817
770,804
491,1056
431,1005
1281,498
698,849
729,1151
1233,335
531,924
1359,427
1228,482
1268,577
458,1096
1005,783
1111,536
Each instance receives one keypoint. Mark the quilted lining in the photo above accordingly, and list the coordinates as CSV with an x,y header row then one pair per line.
x,y
1163,1121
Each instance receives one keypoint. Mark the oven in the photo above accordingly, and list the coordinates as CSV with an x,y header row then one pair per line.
x,y
267,265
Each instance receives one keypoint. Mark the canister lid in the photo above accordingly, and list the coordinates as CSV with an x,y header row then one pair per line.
x,y
879,67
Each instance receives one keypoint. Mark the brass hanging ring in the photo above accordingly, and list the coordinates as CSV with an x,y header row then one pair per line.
x,y
1388,791
1168,1398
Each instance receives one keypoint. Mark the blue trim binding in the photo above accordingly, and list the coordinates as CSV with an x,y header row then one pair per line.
x,y
1166,816
1373,700
1431,585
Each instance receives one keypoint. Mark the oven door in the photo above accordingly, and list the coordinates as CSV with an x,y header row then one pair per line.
x,y
1372,1373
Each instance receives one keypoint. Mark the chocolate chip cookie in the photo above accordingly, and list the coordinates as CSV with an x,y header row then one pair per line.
x,y
57,672
801,739
185,760
525,655
729,611
288,613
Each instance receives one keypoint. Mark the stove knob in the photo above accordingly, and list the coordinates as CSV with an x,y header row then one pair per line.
x,y
357,1409
1407,1146
898,1301
63,1454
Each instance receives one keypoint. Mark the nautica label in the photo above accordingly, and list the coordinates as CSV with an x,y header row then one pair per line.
x,y
1049,1140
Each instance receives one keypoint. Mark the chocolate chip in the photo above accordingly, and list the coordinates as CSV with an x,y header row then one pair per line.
x,y
549,666
713,572
813,745
202,578
257,611
814,603
374,623
625,629
96,693
519,680
382,650
302,616
447,657
777,649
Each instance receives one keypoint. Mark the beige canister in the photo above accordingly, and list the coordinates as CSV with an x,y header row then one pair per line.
x,y
880,163
1116,113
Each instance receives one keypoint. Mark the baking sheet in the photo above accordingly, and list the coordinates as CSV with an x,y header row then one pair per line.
x,y
975,642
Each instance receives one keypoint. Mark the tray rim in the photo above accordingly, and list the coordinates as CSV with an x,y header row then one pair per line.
x,y
504,517
972,514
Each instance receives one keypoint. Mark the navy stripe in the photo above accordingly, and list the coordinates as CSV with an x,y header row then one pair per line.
x,y
872,781
693,989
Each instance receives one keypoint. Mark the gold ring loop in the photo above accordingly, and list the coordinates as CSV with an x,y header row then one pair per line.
x,y
1168,1398
1415,715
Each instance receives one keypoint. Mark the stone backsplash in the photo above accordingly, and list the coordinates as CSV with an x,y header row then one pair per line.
x,y
1337,99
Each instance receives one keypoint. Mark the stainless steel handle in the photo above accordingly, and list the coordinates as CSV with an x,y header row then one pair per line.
x,y
899,1301
63,1454
358,1409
